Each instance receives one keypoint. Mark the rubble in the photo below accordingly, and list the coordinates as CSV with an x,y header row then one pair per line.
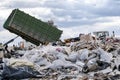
x,y
80,61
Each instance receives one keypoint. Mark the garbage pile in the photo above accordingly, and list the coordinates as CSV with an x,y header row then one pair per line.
x,y
80,61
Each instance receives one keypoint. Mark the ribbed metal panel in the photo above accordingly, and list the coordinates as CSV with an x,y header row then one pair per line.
x,y
30,28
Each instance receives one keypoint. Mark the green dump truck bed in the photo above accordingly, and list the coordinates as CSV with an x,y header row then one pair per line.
x,y
30,28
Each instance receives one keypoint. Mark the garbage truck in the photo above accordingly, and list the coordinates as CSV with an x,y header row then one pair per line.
x,y
31,29
101,34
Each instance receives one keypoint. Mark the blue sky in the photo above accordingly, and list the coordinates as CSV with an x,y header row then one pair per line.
x,y
71,16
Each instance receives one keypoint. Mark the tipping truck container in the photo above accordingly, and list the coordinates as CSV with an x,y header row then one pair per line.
x,y
30,28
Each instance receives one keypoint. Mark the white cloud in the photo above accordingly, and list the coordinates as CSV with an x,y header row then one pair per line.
x,y
96,3
72,16
4,13
111,25
38,12
6,36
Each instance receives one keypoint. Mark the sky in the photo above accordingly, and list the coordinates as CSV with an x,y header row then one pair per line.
x,y
71,16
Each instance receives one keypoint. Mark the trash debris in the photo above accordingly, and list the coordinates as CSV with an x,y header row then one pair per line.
x,y
19,69
85,61
82,60
22,72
